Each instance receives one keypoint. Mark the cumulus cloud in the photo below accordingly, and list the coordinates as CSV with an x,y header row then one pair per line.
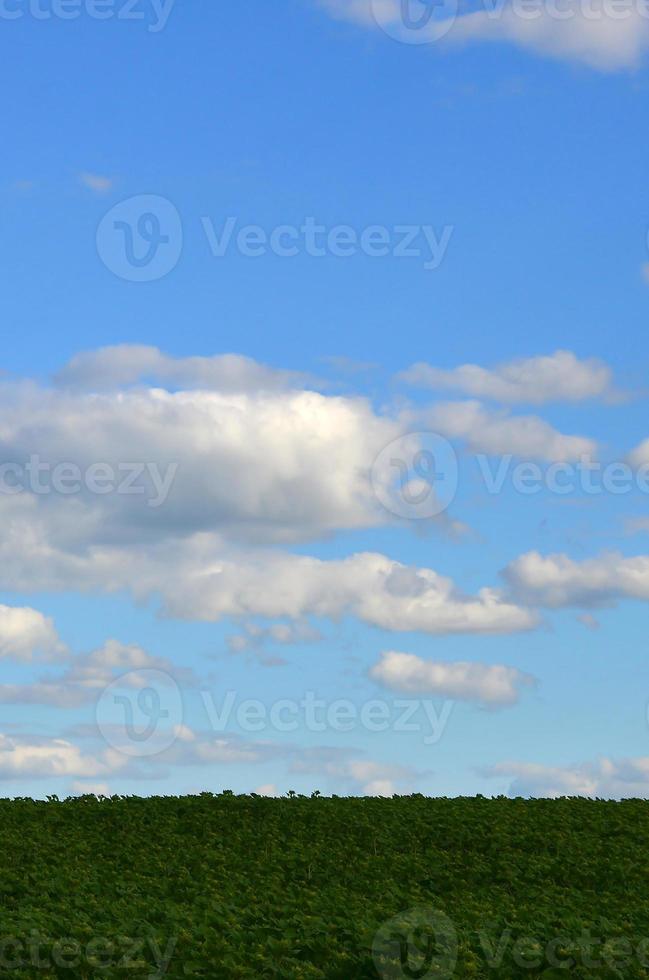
x,y
252,469
497,433
560,377
597,34
372,587
38,758
88,674
556,581
26,635
491,686
126,364
255,637
604,779
200,577
265,466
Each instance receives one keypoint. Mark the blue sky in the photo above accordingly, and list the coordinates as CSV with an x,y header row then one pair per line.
x,y
285,558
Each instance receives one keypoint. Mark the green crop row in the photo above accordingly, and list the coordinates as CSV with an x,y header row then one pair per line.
x,y
238,887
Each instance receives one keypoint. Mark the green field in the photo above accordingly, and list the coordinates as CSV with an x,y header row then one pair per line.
x,y
226,886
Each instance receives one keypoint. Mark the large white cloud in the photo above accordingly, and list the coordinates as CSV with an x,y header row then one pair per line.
x,y
252,468
485,684
372,587
256,466
559,377
200,577
598,33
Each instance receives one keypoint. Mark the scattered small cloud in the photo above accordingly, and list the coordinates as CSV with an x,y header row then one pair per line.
x,y
492,686
589,621
96,182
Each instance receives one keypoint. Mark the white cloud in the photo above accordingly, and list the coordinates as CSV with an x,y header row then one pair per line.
x,y
254,469
497,433
96,182
637,525
26,635
603,40
42,758
560,377
488,685
90,789
268,789
605,779
200,577
255,637
598,34
557,581
589,621
257,467
341,768
126,364
640,455
89,674
377,590
363,776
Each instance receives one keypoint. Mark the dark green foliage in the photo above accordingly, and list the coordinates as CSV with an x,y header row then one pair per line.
x,y
239,887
